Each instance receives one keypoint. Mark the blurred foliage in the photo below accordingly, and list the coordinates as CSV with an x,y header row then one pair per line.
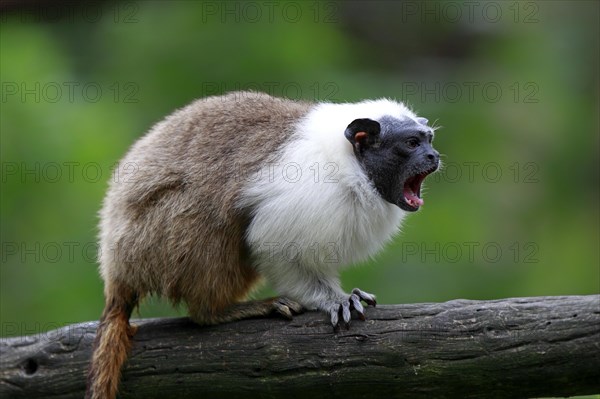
x,y
514,212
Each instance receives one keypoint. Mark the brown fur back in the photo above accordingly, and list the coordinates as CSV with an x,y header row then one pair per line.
x,y
170,225
169,222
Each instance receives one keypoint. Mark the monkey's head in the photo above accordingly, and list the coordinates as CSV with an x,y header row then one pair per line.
x,y
396,155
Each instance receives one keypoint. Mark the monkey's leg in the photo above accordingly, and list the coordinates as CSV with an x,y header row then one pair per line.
x,y
318,290
244,310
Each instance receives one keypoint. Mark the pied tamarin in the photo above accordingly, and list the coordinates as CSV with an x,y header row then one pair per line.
x,y
235,188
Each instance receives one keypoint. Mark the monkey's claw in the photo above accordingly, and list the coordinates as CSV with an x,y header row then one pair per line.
x,y
341,312
286,307
365,296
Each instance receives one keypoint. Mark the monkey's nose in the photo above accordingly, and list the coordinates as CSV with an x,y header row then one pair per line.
x,y
433,156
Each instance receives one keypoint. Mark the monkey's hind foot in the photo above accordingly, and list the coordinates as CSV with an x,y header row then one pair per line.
x,y
250,309
341,312
286,307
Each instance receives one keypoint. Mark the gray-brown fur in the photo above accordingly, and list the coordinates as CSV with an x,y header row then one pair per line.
x,y
169,222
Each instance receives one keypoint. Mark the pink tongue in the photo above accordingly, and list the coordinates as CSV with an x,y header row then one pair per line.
x,y
412,199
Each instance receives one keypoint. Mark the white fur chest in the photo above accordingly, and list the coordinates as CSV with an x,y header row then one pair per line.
x,y
315,205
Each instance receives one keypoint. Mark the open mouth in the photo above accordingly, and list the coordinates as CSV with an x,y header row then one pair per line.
x,y
412,189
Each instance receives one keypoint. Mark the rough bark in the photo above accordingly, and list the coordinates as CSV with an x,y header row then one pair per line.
x,y
509,348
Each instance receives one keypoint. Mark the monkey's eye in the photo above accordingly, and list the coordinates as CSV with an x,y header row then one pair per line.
x,y
412,142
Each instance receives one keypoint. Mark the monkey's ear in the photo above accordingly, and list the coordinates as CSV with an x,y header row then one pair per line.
x,y
363,133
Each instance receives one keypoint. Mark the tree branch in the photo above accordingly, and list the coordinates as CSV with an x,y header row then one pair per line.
x,y
510,348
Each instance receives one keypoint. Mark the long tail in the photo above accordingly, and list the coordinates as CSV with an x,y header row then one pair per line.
x,y
112,343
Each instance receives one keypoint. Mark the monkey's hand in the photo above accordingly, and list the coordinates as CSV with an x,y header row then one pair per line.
x,y
340,312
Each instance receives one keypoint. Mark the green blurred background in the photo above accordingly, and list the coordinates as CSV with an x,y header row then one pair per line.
x,y
514,86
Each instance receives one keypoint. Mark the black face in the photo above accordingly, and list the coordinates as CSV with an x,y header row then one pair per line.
x,y
397,156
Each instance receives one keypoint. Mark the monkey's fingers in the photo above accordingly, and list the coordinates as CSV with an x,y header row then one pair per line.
x,y
356,305
334,316
365,296
340,314
346,315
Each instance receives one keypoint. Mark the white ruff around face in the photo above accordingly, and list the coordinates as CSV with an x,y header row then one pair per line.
x,y
314,206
